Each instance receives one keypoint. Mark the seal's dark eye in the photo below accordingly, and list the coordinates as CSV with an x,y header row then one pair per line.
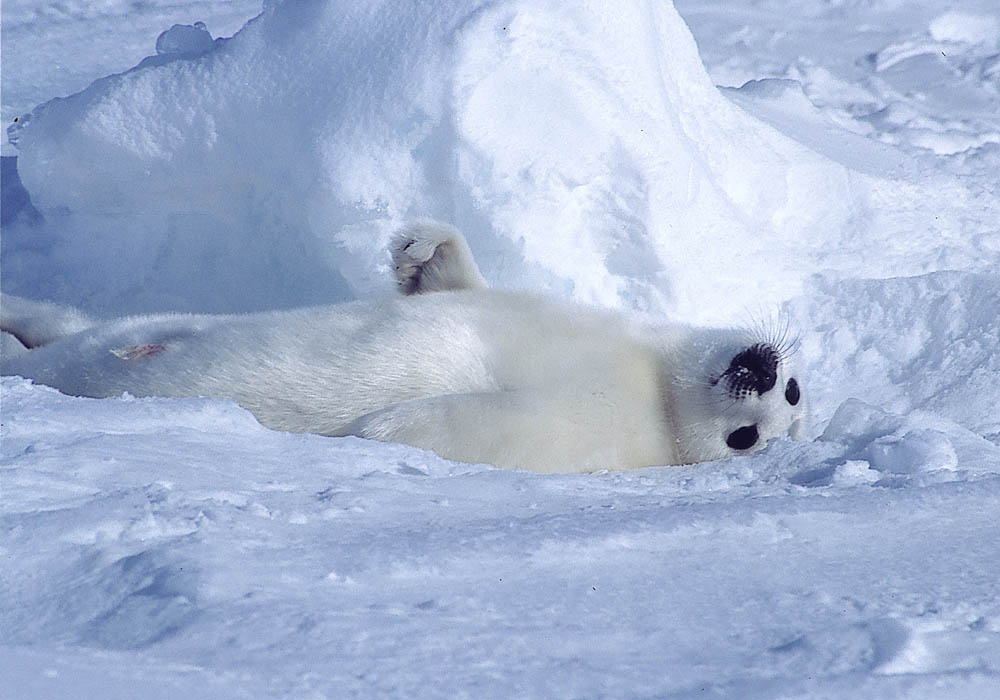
x,y
743,438
792,391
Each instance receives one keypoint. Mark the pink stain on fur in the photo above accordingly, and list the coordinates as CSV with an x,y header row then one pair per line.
x,y
138,352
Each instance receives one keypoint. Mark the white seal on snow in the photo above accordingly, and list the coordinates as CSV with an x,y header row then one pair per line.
x,y
474,374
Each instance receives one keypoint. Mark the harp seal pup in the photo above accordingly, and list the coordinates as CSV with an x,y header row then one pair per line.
x,y
474,374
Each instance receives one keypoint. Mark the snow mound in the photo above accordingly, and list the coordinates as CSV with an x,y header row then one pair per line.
x,y
925,447
583,150
185,39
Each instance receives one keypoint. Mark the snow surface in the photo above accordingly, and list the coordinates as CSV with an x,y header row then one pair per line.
x,y
846,171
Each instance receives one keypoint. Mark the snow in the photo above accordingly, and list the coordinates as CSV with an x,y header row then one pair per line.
x,y
961,27
185,39
159,548
583,152
182,537
59,47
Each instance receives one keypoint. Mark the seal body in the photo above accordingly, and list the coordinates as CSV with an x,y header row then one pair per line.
x,y
472,373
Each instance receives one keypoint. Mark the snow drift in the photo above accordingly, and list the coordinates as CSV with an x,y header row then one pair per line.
x,y
582,150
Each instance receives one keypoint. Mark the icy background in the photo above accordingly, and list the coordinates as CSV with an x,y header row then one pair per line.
x,y
845,173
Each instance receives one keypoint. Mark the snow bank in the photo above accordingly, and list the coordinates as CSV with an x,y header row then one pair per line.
x,y
583,150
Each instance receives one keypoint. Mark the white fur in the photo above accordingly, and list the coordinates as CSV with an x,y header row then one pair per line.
x,y
432,257
36,323
477,375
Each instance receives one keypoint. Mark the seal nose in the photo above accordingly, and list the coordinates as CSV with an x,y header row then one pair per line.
x,y
754,369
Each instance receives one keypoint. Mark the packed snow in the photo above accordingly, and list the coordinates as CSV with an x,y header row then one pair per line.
x,y
829,165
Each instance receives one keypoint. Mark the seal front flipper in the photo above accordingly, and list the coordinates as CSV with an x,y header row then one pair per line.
x,y
433,257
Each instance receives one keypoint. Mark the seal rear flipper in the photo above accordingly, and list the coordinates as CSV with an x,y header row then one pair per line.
x,y
37,323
